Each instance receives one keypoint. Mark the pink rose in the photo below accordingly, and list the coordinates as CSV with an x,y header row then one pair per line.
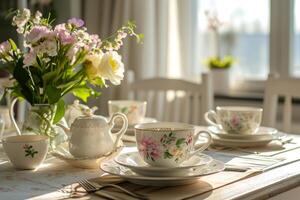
x,y
235,120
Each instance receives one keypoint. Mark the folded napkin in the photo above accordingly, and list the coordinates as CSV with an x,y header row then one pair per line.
x,y
205,184
254,162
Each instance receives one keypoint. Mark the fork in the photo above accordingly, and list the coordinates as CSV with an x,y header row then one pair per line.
x,y
93,187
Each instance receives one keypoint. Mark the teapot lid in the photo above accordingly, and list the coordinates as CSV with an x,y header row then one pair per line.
x,y
89,120
75,110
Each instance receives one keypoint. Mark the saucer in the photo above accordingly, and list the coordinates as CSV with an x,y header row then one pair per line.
x,y
238,142
62,152
134,162
191,176
263,134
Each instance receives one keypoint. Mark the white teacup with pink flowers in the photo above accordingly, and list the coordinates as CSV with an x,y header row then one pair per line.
x,y
135,111
235,119
168,144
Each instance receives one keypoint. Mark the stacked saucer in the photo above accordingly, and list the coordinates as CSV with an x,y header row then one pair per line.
x,y
262,137
133,168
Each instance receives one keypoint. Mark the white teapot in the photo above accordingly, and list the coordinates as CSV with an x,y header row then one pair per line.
x,y
91,135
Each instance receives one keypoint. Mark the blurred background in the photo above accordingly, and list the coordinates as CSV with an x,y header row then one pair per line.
x,y
262,37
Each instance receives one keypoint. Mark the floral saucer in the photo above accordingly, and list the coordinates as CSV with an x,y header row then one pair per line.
x,y
191,176
134,162
263,134
62,152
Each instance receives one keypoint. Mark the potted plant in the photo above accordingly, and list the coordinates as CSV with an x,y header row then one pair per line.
x,y
218,66
58,60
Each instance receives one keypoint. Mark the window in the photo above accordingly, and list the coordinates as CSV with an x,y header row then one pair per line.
x,y
296,52
243,33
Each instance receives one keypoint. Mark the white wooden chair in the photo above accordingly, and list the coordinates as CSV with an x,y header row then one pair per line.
x,y
172,99
287,88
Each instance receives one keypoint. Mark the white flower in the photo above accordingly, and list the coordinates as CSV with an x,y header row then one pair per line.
x,y
71,54
111,67
82,35
21,18
92,64
48,46
37,17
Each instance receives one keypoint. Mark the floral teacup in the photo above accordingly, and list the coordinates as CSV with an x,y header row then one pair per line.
x,y
26,151
235,120
168,144
135,111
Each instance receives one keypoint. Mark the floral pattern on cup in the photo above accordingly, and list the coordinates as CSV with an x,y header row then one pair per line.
x,y
135,111
235,119
150,148
175,152
29,150
243,122
168,144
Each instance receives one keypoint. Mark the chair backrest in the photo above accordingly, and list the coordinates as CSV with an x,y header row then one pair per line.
x,y
286,88
172,99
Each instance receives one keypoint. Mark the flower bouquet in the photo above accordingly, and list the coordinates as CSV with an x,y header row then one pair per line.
x,y
58,60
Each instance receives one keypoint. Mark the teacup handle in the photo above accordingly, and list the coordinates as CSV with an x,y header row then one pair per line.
x,y
120,133
211,118
204,146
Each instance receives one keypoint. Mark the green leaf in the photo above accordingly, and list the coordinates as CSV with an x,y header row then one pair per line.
x,y
36,75
53,94
49,76
60,111
38,60
12,44
167,154
124,110
97,82
179,142
22,77
84,92
9,66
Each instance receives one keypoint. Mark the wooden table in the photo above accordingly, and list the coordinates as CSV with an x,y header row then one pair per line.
x,y
262,186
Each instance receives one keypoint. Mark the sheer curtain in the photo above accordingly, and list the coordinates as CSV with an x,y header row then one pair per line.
x,y
169,47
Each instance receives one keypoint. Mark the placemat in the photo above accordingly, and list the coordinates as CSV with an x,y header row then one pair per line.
x,y
205,184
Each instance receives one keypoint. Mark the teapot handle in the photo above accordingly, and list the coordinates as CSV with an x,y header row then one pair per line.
x,y
120,133
11,115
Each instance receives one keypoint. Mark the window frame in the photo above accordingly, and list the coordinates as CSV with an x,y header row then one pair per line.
x,y
281,37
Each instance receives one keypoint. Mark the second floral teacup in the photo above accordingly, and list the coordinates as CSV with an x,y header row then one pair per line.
x,y
135,111
235,119
168,144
